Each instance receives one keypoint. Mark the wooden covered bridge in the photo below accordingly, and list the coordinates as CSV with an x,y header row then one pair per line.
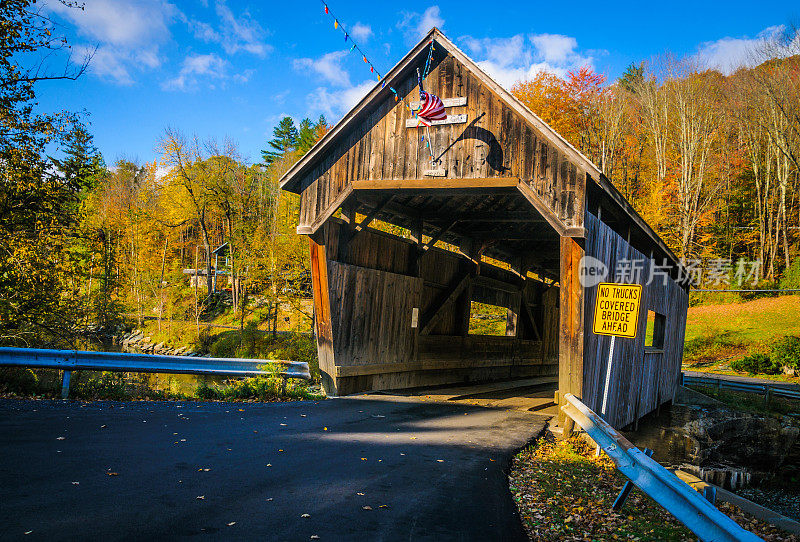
x,y
515,209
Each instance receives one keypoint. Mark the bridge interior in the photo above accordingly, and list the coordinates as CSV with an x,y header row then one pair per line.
x,y
405,263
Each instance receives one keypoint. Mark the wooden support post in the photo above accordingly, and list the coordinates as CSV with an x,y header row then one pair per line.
x,y
416,236
570,340
65,384
512,317
322,314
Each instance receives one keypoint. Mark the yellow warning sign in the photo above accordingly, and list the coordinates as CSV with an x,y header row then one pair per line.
x,y
616,311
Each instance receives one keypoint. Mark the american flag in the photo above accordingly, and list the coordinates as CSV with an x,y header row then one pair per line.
x,y
432,107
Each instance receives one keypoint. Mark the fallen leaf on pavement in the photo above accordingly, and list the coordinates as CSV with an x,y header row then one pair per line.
x,y
314,537
201,497
75,483
112,473
61,438
231,524
305,515
366,507
360,494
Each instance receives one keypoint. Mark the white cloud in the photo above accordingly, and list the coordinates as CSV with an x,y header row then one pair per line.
x,y
127,34
361,32
521,57
127,23
415,25
107,63
328,66
728,54
234,33
555,48
335,104
195,68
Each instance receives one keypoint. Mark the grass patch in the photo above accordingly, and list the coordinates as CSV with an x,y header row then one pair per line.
x,y
709,349
261,388
758,321
97,385
751,402
564,492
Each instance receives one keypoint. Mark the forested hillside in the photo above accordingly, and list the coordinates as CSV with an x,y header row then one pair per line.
x,y
711,161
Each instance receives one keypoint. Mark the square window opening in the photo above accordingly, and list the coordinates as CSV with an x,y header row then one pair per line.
x,y
485,319
654,336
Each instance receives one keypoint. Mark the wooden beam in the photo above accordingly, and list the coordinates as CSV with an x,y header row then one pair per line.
x,y
534,199
432,241
531,319
491,183
322,316
570,313
370,217
435,314
321,219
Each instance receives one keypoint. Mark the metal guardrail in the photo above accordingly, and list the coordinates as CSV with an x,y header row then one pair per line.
x,y
74,360
676,496
766,390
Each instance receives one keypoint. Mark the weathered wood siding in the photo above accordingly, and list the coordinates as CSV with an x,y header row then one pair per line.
x,y
640,380
495,142
372,290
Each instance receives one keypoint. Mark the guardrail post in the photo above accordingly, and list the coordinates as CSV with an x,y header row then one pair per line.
x,y
626,489
283,384
767,396
710,493
65,384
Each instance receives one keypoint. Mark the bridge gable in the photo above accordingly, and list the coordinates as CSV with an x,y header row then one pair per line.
x,y
489,136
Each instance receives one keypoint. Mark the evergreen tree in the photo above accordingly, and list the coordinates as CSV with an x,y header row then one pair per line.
x,y
307,136
632,78
285,140
82,165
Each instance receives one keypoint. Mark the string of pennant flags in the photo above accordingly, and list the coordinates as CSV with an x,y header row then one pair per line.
x,y
348,38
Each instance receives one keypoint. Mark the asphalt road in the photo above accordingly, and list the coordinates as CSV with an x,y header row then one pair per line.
x,y
167,470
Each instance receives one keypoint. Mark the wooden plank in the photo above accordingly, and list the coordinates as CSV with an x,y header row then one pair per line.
x,y
448,102
438,235
544,209
370,217
527,311
320,220
431,365
570,344
451,119
437,311
435,184
322,315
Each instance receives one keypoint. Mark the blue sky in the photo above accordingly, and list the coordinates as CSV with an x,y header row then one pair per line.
x,y
219,69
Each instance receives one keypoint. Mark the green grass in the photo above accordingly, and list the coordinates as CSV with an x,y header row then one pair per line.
x,y
751,402
487,319
755,321
721,334
96,385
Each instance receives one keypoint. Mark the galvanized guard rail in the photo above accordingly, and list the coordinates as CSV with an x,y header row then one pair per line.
x,y
74,360
683,502
766,390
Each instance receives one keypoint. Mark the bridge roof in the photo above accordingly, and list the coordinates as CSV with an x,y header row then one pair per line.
x,y
593,185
